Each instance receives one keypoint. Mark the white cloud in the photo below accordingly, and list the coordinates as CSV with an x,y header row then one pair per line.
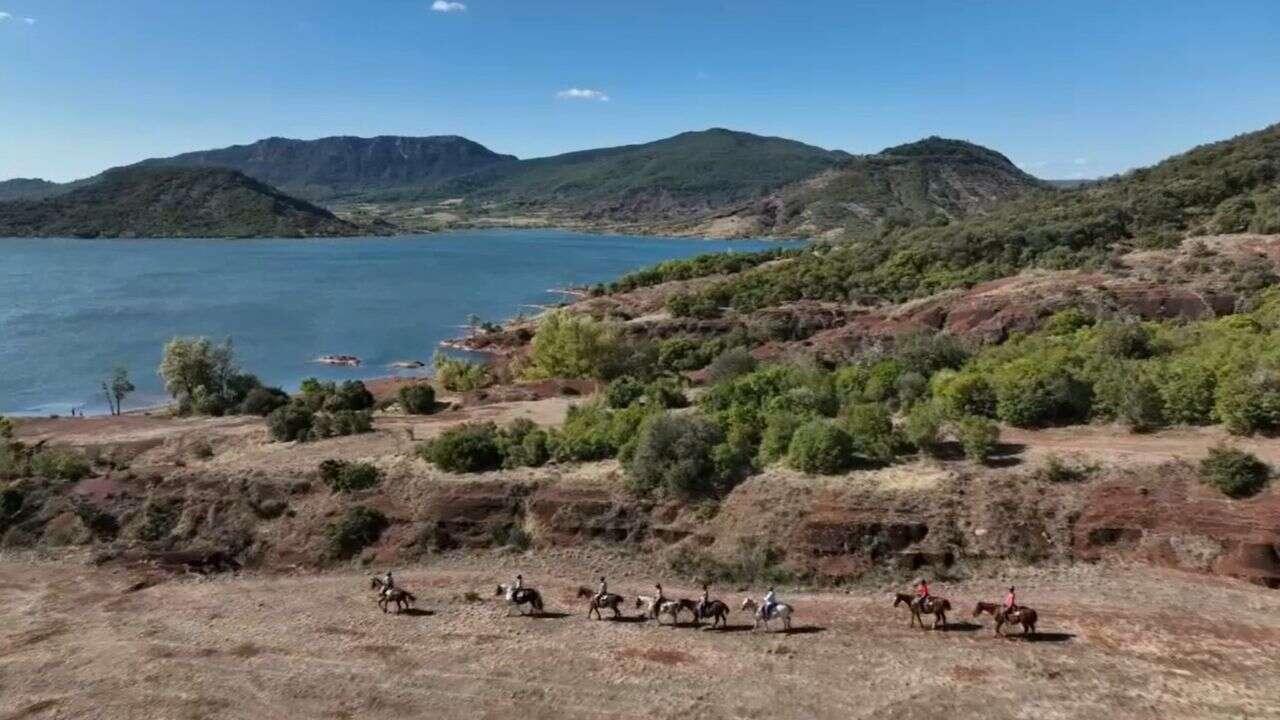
x,y
29,21
582,94
448,6
1081,161
4,16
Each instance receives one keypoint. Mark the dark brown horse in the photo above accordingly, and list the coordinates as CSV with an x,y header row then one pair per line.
x,y
714,609
402,598
1024,616
611,601
936,606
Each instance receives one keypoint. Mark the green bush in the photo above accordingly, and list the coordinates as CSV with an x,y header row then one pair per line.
x,y
418,399
358,528
730,364
922,427
6,428
882,381
1032,395
925,353
818,446
523,444
1124,340
665,393
965,393
290,422
570,346
682,354
779,427
58,464
623,392
263,401
457,375
675,454
1235,472
468,448
350,396
979,437
1187,388
343,476
1249,402
871,427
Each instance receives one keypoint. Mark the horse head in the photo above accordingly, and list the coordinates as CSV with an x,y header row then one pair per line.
x,y
748,605
901,598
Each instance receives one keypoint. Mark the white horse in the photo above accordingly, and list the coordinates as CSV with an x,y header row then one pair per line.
x,y
780,611
670,608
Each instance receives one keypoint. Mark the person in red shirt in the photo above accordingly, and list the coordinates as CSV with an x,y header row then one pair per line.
x,y
1010,602
922,593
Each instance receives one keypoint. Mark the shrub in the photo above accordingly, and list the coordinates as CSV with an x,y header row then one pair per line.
x,y
682,354
418,399
882,381
350,396
779,427
979,437
730,364
457,375
1056,470
1249,402
926,353
523,444
818,446
342,476
358,528
1066,322
1031,395
871,427
1235,472
674,453
965,393
623,392
570,346
6,428
1125,340
263,401
923,427
58,464
472,447
665,393
1187,390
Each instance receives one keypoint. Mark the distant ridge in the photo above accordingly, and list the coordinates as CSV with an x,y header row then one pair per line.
x,y
171,202
348,167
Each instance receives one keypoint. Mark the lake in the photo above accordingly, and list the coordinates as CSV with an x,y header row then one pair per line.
x,y
70,310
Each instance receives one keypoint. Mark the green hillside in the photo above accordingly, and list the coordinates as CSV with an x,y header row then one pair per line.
x,y
702,169
171,202
1225,187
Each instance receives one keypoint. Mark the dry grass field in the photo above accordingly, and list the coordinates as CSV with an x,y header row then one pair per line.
x,y
1116,641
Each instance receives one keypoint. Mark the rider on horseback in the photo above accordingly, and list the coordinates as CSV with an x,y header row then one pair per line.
x,y
769,603
604,590
388,584
516,587
705,601
922,594
1010,603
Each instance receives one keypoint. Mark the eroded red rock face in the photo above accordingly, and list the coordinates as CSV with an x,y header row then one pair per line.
x,y
1172,519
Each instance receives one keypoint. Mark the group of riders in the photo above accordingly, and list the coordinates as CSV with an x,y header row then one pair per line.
x,y
767,604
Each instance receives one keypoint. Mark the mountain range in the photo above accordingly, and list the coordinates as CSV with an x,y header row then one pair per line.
x,y
712,182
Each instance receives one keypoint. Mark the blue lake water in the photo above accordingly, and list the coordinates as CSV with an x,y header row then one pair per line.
x,y
70,310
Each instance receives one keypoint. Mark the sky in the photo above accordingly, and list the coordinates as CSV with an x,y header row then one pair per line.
x,y
1065,89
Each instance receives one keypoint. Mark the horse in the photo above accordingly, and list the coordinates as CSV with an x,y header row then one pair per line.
x,y
1024,616
656,608
936,606
523,596
612,601
402,598
714,609
780,611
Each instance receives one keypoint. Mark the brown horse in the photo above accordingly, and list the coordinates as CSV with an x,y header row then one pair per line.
x,y
714,609
937,607
402,598
1024,616
655,608
611,601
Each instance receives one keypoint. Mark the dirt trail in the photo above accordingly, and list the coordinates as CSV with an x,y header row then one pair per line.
x,y
75,642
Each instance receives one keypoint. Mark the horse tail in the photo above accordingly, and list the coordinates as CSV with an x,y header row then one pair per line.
x,y
535,601
410,596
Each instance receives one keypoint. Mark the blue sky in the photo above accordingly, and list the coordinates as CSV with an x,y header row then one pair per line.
x,y
1066,89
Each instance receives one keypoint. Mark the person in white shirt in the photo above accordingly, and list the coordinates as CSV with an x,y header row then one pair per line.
x,y
388,584
770,602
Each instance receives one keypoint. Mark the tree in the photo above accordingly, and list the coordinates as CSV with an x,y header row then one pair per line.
x,y
117,388
570,346
191,363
